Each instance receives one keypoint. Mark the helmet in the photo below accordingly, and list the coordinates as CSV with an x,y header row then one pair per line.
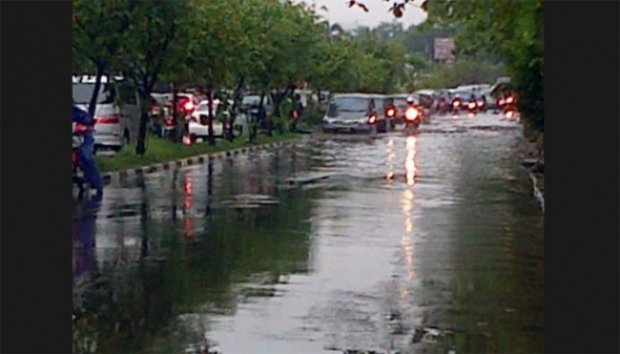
x,y
410,99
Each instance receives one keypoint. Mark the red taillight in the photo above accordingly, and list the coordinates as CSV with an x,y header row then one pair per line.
x,y
500,102
456,103
107,120
372,119
510,114
169,122
472,105
411,113
391,112
188,106
80,128
480,103
510,99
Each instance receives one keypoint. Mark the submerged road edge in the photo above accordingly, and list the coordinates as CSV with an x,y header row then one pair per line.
x,y
109,177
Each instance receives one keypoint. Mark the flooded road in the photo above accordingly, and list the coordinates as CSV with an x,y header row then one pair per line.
x,y
426,243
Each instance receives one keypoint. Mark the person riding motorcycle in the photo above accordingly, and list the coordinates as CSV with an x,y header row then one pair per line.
x,y
413,114
87,162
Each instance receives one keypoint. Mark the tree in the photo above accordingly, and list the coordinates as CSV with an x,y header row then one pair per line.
x,y
511,28
98,36
156,42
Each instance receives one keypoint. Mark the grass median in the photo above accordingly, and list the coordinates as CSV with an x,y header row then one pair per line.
x,y
163,150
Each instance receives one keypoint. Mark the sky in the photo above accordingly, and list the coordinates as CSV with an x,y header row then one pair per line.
x,y
339,11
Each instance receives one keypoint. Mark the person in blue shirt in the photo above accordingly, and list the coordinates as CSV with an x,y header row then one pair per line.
x,y
87,162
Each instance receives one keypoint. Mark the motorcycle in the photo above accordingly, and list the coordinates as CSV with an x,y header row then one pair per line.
x,y
507,105
412,119
456,105
472,106
390,114
481,105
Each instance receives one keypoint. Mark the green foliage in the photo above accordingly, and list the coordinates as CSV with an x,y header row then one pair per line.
x,y
462,72
510,28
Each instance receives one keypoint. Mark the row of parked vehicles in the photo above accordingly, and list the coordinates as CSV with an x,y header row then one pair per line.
x,y
119,106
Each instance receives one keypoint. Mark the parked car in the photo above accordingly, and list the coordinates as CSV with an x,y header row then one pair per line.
x,y
161,121
117,113
251,104
199,124
355,113
186,103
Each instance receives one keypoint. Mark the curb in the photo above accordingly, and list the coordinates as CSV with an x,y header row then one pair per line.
x,y
537,192
116,176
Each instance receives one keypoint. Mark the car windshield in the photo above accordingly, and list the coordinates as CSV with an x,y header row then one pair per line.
x,y
400,102
204,107
82,93
348,107
251,100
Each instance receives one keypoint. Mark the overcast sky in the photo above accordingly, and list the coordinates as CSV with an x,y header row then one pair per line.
x,y
339,11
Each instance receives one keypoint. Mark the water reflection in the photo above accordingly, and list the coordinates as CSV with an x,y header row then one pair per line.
x,y
125,306
390,160
410,161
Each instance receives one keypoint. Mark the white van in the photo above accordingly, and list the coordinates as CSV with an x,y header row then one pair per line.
x,y
117,114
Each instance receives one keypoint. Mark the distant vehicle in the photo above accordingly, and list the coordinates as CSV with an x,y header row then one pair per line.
x,y
251,104
426,98
117,113
162,122
199,123
355,113
186,103
400,101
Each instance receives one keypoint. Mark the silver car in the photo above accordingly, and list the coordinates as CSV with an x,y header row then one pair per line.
x,y
117,114
354,113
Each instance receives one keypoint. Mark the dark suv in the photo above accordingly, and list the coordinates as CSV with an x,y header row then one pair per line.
x,y
355,113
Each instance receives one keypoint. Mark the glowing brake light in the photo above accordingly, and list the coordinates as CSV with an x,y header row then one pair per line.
x,y
372,119
472,105
189,105
510,99
411,113
501,102
391,112
480,103
80,128
107,120
510,114
456,103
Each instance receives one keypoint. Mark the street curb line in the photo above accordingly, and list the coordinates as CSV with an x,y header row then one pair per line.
x,y
537,193
116,176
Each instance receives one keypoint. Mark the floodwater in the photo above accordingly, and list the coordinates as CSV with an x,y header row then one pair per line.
x,y
410,244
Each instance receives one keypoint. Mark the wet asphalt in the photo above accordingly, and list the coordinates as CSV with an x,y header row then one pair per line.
x,y
430,242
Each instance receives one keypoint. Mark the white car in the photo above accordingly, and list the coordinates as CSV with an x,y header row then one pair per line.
x,y
117,113
196,126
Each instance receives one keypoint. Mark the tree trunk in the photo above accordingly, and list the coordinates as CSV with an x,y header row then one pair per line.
x,y
280,97
141,140
210,98
179,124
92,106
263,113
233,110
